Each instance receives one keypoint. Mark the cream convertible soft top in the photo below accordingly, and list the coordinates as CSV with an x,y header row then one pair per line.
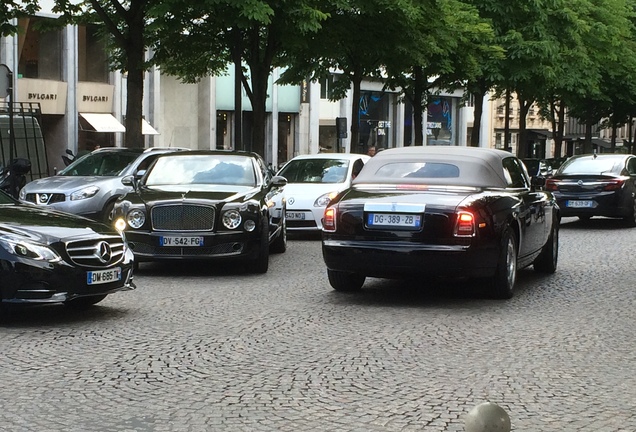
x,y
461,166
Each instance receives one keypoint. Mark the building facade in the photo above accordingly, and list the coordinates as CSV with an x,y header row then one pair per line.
x,y
82,104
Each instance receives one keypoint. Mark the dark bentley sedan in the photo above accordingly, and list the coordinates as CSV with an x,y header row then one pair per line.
x,y
441,211
597,185
48,256
205,205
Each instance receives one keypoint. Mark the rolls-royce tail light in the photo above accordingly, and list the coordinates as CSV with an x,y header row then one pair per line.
x,y
329,220
465,226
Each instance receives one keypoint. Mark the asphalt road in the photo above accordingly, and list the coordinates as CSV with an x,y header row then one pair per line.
x,y
206,348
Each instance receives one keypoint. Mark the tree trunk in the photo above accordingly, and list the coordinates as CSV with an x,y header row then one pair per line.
x,y
356,80
522,146
587,144
259,112
238,94
558,143
478,113
135,53
507,122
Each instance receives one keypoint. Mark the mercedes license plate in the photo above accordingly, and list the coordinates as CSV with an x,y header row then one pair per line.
x,y
181,241
103,276
580,203
394,220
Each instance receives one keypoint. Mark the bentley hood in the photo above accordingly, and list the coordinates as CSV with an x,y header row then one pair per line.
x,y
214,194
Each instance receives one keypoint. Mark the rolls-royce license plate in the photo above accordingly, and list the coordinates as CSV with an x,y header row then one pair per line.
x,y
394,220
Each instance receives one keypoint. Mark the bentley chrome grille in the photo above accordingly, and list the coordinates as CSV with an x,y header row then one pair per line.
x,y
182,217
101,252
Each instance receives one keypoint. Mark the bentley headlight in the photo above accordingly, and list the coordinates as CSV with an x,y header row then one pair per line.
x,y
323,200
84,193
136,218
28,249
231,219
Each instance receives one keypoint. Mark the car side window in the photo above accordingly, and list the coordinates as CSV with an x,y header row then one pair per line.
x,y
357,167
514,173
265,172
631,166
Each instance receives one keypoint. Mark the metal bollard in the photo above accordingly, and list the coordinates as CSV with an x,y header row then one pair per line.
x,y
487,417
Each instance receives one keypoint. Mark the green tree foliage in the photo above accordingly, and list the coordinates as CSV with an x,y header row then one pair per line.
x,y
128,25
444,46
197,39
11,9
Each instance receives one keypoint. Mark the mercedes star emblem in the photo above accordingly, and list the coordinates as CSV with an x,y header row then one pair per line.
x,y
103,252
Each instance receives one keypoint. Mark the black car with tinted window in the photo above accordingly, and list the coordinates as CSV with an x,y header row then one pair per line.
x,y
441,211
205,205
48,256
596,185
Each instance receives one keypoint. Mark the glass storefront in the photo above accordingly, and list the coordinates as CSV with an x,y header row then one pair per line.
x,y
92,59
39,50
375,122
440,125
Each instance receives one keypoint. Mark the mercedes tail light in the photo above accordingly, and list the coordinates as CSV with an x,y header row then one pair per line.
x,y
329,219
465,224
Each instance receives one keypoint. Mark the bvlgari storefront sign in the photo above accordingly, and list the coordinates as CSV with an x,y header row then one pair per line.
x,y
95,97
51,95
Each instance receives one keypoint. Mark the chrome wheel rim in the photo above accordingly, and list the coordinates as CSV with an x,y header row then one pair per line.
x,y
511,263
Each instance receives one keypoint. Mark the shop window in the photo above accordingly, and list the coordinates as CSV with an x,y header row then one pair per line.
x,y
39,49
92,60
375,125
326,87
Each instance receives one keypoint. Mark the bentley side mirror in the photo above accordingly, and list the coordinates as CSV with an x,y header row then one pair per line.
x,y
278,181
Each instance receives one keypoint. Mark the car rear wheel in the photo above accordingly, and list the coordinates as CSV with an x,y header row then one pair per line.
x,y
503,282
84,302
344,281
547,260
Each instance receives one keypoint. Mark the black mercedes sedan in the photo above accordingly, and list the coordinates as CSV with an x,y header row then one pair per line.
x,y
205,205
441,211
48,256
596,185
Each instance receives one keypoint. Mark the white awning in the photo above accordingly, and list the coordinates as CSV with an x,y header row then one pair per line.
x,y
101,122
146,129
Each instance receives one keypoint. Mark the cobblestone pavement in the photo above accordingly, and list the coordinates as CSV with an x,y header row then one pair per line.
x,y
198,348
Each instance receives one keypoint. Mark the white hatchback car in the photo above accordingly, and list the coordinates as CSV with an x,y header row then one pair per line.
x,y
312,181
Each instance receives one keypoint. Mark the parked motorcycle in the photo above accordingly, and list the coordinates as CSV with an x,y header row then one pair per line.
x,y
69,157
13,177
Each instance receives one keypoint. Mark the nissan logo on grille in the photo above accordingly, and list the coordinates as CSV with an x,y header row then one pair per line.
x,y
103,252
43,198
